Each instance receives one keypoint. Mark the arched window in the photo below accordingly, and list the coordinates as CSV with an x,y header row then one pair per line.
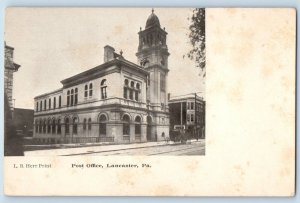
x,y
59,101
137,125
132,84
90,124
41,105
54,102
49,126
72,97
75,120
49,103
76,96
45,104
84,124
68,98
53,126
126,125
37,106
102,125
85,90
67,125
126,82
103,89
91,89
58,127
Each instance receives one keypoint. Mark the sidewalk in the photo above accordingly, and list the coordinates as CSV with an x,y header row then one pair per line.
x,y
86,149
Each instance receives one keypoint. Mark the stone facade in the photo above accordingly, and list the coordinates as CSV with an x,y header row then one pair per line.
x,y
10,68
117,102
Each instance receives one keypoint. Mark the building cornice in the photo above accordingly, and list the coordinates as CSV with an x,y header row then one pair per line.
x,y
101,70
48,93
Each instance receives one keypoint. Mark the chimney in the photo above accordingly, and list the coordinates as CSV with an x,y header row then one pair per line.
x,y
108,53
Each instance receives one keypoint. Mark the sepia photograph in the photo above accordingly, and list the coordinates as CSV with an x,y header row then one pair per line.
x,y
105,81
149,101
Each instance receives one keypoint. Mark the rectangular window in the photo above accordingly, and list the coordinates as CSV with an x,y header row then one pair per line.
x,y
76,99
192,105
49,103
125,93
188,105
54,103
68,100
91,89
192,117
131,94
59,102
72,100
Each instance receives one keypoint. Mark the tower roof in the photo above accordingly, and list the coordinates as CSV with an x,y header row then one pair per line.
x,y
152,20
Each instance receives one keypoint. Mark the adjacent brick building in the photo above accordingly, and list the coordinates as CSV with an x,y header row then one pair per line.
x,y
188,113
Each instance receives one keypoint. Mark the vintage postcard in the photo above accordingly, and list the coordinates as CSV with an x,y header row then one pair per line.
x,y
149,101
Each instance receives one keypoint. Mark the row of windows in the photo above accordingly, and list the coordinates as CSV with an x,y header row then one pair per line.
x,y
54,127
39,105
191,106
190,117
72,97
51,127
88,90
131,90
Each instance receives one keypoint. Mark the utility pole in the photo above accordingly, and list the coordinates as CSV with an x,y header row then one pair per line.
x,y
180,115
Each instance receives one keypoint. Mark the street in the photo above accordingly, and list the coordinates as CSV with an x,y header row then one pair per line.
x,y
144,149
175,149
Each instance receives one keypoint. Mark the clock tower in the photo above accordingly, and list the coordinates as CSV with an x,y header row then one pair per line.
x,y
153,55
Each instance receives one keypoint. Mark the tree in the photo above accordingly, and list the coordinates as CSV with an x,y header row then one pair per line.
x,y
197,38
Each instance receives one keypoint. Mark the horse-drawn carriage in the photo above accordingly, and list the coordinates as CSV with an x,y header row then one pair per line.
x,y
180,135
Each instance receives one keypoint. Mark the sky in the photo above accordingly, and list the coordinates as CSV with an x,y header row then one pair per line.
x,y
54,44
